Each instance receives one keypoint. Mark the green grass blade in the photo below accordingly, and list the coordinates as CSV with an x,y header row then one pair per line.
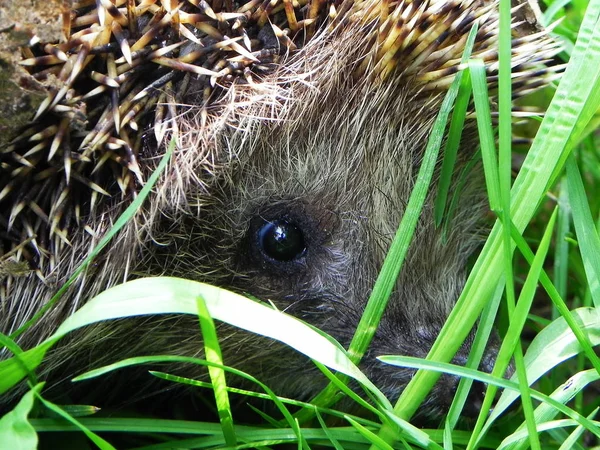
x,y
15,428
417,435
254,394
212,352
190,360
559,303
553,426
561,252
545,412
206,431
459,114
581,95
505,103
486,134
587,235
478,347
460,371
553,345
574,437
393,262
513,335
464,176
14,369
370,436
349,393
329,434
101,443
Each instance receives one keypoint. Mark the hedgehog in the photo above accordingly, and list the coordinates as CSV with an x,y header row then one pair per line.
x,y
299,127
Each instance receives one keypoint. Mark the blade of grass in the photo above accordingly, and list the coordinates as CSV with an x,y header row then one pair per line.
x,y
254,394
545,412
349,393
559,303
329,434
486,134
370,436
417,435
393,262
459,114
456,197
555,427
504,185
15,426
553,345
460,371
170,358
347,435
587,235
583,91
561,251
575,436
212,352
140,425
512,338
478,347
101,443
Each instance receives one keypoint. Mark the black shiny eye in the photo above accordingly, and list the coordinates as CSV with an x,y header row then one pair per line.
x,y
281,240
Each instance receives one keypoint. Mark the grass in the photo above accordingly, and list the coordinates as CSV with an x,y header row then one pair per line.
x,y
539,268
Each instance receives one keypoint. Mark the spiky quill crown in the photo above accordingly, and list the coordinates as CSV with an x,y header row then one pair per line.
x,y
121,66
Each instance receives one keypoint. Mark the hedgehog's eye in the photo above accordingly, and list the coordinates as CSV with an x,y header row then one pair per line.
x,y
281,240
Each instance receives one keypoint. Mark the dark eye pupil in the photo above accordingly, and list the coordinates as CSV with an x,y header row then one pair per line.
x,y
281,240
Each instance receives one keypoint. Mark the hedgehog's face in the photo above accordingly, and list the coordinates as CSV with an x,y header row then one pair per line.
x,y
319,264
304,217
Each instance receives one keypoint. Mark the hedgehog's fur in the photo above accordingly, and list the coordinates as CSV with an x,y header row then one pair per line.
x,y
316,111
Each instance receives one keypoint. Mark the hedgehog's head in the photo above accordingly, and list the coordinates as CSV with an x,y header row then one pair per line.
x,y
304,218
302,211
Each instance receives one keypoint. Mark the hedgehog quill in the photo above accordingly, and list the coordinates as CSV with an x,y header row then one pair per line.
x,y
299,127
